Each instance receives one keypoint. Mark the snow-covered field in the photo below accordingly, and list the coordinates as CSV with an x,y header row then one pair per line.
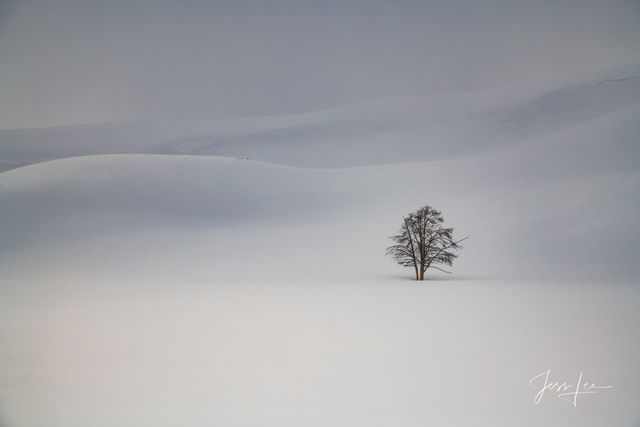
x,y
232,272
368,353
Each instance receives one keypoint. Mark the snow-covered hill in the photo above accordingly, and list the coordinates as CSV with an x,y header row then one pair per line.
x,y
562,205
233,272
388,131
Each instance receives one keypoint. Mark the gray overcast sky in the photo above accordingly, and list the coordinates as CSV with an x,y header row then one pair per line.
x,y
73,62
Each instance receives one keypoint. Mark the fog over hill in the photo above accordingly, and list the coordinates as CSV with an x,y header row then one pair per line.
x,y
196,198
560,163
387,131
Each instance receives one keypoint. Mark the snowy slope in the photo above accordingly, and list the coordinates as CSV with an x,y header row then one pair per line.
x,y
150,274
383,132
523,198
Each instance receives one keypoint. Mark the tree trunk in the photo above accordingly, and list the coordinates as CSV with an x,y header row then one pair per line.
x,y
416,267
421,275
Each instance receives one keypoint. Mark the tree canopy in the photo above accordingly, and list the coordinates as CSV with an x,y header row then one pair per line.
x,y
423,242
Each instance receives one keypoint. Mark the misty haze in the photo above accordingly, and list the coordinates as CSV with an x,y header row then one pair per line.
x,y
196,198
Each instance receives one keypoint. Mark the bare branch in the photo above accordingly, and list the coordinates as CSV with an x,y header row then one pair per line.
x,y
423,242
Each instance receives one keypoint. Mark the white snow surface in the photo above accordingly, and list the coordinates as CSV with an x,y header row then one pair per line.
x,y
232,272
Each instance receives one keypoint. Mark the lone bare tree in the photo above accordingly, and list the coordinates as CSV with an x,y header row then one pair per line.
x,y
423,242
